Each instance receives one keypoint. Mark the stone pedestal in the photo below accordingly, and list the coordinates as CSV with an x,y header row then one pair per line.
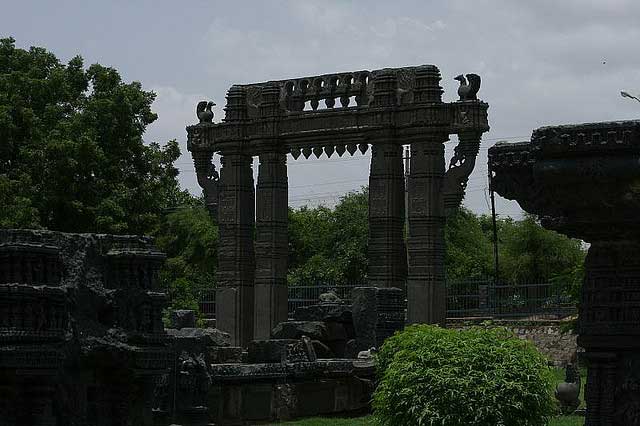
x,y
426,293
387,253
236,263
271,244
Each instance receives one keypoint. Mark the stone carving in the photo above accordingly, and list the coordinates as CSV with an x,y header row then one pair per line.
x,y
80,328
377,314
581,180
460,168
368,354
183,318
468,90
384,109
203,111
208,179
568,392
330,297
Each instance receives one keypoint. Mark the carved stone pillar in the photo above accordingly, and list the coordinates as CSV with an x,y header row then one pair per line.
x,y
608,330
236,263
271,244
426,293
387,254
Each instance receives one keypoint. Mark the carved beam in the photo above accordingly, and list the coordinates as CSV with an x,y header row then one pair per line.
x,y
208,179
460,167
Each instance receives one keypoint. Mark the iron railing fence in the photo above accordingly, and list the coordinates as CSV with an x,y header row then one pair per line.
x,y
207,303
471,298
306,295
526,300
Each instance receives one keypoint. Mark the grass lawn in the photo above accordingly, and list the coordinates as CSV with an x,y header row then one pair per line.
x,y
368,421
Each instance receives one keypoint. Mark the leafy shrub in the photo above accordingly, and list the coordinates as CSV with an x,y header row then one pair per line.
x,y
483,377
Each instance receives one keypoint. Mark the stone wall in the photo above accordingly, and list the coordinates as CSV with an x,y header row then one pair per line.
x,y
547,336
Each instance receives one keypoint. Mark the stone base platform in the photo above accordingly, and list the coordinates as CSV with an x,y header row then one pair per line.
x,y
246,394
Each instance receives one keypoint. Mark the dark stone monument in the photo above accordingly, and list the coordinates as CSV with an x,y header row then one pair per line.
x,y
377,314
393,107
582,180
183,318
81,336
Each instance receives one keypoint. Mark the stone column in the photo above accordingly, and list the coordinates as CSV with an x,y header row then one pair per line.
x,y
387,254
426,294
271,244
236,263
608,331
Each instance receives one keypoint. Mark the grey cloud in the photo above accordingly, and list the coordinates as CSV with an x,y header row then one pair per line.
x,y
541,61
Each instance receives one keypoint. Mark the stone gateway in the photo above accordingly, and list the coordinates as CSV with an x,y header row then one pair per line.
x,y
382,109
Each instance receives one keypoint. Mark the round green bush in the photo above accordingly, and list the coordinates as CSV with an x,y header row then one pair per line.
x,y
482,377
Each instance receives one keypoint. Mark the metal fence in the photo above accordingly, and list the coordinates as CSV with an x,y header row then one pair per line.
x,y
305,295
465,299
207,303
485,298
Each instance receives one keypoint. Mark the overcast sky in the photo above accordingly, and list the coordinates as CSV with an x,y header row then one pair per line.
x,y
542,62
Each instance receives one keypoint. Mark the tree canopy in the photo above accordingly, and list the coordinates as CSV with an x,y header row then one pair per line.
x,y
330,245
189,238
72,156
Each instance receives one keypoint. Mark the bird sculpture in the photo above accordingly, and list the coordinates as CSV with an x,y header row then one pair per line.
x,y
203,111
469,87
568,392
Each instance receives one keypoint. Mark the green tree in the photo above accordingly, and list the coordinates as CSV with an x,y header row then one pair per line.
x,y
189,238
72,157
351,235
329,245
468,249
529,252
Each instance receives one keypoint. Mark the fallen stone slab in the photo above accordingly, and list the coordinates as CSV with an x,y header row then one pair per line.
x,y
183,318
197,339
315,330
326,312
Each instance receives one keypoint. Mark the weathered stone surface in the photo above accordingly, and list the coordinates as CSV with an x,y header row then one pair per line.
x,y
377,314
223,355
209,323
80,320
199,337
582,180
322,350
269,120
279,391
183,318
268,351
336,331
296,329
300,351
324,312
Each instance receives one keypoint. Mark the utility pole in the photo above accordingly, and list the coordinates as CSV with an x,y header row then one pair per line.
x,y
406,158
496,263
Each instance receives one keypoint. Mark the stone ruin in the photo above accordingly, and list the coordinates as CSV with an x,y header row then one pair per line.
x,y
583,181
383,109
81,336
83,343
